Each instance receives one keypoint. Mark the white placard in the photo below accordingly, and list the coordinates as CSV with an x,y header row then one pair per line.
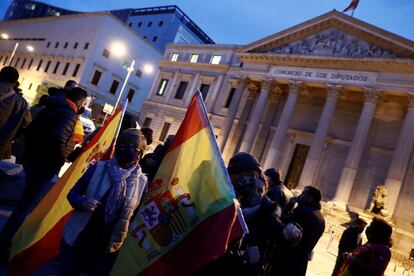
x,y
108,108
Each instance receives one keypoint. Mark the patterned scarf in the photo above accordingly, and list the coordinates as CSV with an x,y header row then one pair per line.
x,y
120,178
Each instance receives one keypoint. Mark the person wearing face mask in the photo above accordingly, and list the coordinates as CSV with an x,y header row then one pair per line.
x,y
104,200
46,140
266,230
294,261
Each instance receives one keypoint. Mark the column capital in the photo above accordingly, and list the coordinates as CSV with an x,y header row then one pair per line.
x,y
295,86
372,95
268,84
410,97
334,91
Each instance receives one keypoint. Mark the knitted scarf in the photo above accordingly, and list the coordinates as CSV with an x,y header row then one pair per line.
x,y
120,178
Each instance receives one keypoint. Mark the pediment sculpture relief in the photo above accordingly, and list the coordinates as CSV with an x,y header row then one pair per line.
x,y
333,43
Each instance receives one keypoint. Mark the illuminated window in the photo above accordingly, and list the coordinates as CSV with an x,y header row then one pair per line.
x,y
215,59
174,57
162,87
193,58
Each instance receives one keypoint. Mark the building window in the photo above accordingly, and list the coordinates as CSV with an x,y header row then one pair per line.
x,y
75,46
145,37
75,72
130,24
138,73
215,59
162,87
174,57
130,95
204,90
96,77
181,90
154,38
164,131
17,62
66,68
114,85
86,46
57,44
23,63
30,64
160,23
11,61
48,45
40,64
56,67
105,53
47,66
66,45
1,58
193,58
149,24
5,60
230,97
139,24
30,86
147,122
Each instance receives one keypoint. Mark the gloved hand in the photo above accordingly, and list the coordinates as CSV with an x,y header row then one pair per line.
x,y
251,255
90,204
292,233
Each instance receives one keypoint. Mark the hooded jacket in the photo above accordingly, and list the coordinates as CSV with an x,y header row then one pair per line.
x,y
48,135
14,114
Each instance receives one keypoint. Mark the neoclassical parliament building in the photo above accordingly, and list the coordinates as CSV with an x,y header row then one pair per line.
x,y
330,102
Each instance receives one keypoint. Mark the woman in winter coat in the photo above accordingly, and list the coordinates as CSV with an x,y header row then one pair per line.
x,y
104,200
373,257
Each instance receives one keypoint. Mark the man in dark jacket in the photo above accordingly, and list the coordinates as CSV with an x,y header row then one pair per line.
x,y
14,110
350,239
45,153
294,261
265,228
278,192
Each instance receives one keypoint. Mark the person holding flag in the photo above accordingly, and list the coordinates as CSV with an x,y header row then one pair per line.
x,y
104,199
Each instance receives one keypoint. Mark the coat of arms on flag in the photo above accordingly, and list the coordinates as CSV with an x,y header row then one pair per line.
x,y
190,211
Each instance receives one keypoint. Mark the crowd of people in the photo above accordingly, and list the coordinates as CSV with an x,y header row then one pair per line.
x,y
283,228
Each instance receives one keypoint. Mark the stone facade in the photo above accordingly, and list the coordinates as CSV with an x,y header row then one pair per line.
x,y
341,121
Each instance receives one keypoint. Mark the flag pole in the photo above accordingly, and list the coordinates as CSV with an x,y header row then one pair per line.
x,y
352,15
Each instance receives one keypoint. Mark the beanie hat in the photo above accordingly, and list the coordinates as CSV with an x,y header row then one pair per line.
x,y
132,136
242,162
274,176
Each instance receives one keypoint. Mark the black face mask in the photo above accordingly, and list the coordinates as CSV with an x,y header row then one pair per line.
x,y
81,110
246,189
127,156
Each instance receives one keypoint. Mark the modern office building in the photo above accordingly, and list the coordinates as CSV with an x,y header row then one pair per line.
x,y
159,25
55,49
330,102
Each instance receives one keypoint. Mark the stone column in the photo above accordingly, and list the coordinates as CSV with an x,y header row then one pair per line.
x,y
193,88
231,113
348,174
400,158
312,161
255,116
211,97
276,149
170,88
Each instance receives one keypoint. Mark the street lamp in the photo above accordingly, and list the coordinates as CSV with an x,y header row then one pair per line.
x,y
119,50
30,48
6,37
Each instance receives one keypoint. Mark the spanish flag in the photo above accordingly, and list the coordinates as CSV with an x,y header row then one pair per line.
x,y
352,6
38,239
190,214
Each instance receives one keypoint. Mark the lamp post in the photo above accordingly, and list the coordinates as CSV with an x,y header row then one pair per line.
x,y
130,69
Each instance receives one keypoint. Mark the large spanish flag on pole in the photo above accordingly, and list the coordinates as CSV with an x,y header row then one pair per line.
x,y
38,239
352,6
190,214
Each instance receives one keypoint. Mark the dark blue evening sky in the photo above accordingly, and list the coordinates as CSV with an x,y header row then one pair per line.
x,y
242,21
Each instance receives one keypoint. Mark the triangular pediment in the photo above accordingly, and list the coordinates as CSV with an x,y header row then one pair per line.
x,y
334,35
